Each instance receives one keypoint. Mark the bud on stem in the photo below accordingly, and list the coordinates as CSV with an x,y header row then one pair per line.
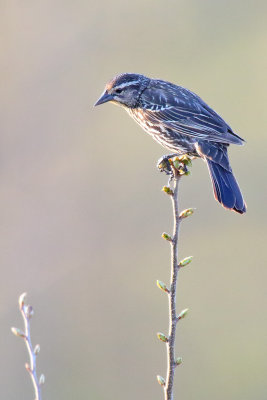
x,y
178,361
176,163
186,160
186,213
167,190
28,368
166,236
185,261
36,349
182,314
162,337
163,286
22,299
161,380
18,332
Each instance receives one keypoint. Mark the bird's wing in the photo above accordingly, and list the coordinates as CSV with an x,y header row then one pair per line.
x,y
186,113
193,123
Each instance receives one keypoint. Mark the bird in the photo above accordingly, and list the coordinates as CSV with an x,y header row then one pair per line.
x,y
182,122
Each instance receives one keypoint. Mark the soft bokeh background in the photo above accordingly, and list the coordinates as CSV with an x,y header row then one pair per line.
x,y
82,210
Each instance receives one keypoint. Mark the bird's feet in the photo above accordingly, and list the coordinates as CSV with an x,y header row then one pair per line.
x,y
170,162
164,165
180,163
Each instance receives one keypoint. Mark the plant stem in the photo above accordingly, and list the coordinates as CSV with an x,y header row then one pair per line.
x,y
27,313
171,365
32,355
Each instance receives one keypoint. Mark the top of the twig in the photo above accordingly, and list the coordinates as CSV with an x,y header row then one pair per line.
x,y
21,299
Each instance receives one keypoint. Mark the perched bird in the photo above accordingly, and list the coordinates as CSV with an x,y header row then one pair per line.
x,y
180,121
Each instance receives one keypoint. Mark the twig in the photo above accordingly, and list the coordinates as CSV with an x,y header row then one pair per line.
x,y
179,168
27,313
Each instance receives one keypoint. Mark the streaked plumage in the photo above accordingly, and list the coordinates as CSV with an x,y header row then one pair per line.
x,y
182,122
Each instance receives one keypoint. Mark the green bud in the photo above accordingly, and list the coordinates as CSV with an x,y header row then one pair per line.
x,y
183,313
163,286
166,236
178,361
176,163
18,332
167,190
162,337
161,380
187,212
185,261
186,160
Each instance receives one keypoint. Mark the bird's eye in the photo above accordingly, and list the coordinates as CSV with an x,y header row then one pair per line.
x,y
118,91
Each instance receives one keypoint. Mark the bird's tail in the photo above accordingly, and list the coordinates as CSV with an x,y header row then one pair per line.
x,y
225,187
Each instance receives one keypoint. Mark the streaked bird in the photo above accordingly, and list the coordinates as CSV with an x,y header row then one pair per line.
x,y
182,122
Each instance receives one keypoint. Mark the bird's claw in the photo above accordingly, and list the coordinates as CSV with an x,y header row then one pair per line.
x,y
164,165
180,163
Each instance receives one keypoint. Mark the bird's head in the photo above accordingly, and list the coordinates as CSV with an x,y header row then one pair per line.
x,y
124,89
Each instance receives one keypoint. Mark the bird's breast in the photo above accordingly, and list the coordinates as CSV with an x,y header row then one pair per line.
x,y
150,127
166,137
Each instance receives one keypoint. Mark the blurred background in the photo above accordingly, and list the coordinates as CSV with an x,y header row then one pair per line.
x,y
82,210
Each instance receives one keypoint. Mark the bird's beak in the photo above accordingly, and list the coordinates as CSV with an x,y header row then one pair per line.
x,y
104,98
